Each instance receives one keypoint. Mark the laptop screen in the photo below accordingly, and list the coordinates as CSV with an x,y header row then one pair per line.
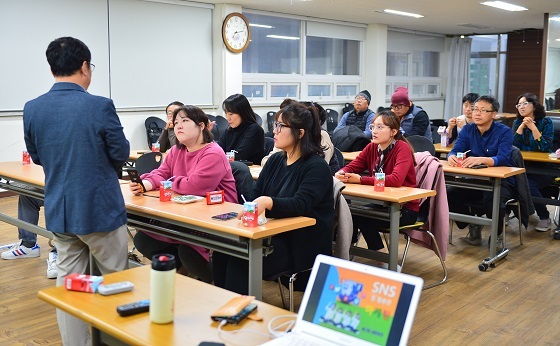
x,y
370,307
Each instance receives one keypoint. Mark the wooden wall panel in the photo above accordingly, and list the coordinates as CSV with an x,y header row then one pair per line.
x,y
523,66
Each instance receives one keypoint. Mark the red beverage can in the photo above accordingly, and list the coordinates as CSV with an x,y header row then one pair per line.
x,y
155,147
250,214
460,159
26,158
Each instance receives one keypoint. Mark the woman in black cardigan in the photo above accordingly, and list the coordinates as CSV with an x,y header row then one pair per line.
x,y
243,134
295,182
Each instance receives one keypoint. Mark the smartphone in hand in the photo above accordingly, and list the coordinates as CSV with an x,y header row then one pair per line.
x,y
135,177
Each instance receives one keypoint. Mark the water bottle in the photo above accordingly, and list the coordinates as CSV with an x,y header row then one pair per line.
x,y
162,288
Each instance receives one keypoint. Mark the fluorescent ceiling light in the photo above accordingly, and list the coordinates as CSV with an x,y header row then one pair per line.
x,y
406,14
261,26
504,6
283,37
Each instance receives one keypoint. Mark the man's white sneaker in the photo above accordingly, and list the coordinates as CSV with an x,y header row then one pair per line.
x,y
543,225
20,251
52,269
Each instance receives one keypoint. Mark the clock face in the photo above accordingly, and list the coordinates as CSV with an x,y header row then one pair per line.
x,y
236,32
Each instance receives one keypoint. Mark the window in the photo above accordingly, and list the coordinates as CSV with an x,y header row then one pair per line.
x,y
330,56
301,59
414,65
275,45
488,64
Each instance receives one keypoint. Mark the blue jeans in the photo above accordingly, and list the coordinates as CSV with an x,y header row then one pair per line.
x,y
28,211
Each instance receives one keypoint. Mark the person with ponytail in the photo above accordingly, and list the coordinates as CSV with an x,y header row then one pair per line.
x,y
389,153
295,181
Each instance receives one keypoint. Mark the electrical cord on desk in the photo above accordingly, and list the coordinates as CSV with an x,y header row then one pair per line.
x,y
287,324
233,332
145,194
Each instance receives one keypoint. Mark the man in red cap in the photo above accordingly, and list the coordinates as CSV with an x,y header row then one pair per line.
x,y
414,120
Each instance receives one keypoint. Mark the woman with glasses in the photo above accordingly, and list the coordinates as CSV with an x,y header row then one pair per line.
x,y
389,153
294,182
533,131
167,138
195,166
243,135
326,143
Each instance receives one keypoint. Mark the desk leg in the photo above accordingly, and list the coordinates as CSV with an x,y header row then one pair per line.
x,y
394,236
255,268
491,261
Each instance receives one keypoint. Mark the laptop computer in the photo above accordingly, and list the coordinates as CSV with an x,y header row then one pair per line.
x,y
349,303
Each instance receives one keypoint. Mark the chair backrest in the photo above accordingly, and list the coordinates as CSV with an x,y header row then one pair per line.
x,y
222,125
421,143
438,122
556,138
436,137
259,119
154,126
148,162
347,108
215,129
339,157
331,125
331,113
270,123
244,181
268,145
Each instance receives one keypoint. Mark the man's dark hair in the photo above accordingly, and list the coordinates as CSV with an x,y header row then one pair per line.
x,y
470,97
491,100
66,55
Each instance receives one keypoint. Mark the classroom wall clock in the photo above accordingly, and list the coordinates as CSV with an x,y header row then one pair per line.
x,y
236,32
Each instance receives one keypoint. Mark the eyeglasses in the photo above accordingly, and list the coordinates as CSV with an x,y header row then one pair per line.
x,y
91,66
360,98
279,126
522,104
476,110
397,107
377,127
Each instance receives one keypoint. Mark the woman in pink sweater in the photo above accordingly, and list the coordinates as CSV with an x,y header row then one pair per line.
x,y
197,165
389,153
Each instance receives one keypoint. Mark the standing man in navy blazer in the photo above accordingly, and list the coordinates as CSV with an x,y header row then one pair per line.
x,y
78,139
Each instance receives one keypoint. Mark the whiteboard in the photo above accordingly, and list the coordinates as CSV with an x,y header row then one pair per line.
x,y
146,53
26,29
160,53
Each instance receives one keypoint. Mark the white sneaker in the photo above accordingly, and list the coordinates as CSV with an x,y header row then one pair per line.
x,y
543,225
52,270
20,251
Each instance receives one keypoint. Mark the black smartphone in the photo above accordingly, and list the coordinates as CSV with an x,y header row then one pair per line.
x,y
248,163
479,166
226,216
135,177
235,319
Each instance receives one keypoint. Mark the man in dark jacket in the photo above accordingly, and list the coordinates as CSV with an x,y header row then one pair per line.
x,y
361,116
414,120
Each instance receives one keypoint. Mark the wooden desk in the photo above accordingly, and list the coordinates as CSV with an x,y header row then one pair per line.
x,y
393,198
194,303
494,176
350,155
185,222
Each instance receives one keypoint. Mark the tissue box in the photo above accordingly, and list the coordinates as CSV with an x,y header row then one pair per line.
x,y
82,282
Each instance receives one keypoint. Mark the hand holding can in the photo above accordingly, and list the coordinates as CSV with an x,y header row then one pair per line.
x,y
460,159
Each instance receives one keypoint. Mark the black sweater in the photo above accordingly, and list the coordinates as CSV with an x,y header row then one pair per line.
x,y
304,188
247,140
